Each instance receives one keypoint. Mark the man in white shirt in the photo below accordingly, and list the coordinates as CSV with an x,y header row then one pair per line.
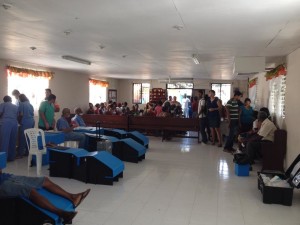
x,y
265,134
185,105
202,111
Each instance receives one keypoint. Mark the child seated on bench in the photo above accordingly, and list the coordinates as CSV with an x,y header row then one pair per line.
x,y
23,186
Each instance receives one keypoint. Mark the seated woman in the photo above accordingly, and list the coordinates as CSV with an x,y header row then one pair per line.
x,y
77,120
64,126
22,186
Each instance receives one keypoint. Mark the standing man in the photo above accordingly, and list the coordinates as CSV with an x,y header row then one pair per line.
x,y
9,128
46,113
185,105
202,112
47,93
232,112
16,94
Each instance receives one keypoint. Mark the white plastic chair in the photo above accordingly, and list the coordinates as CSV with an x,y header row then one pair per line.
x,y
31,136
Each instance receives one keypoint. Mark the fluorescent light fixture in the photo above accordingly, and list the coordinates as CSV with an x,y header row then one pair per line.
x,y
78,60
194,57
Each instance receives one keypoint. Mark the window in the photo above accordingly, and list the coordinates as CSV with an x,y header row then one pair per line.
x,y
97,93
223,91
277,96
33,87
141,93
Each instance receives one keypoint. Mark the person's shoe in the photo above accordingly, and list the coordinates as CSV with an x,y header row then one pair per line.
x,y
82,197
204,142
220,145
227,150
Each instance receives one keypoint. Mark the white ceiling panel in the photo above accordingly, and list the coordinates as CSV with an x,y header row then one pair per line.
x,y
138,38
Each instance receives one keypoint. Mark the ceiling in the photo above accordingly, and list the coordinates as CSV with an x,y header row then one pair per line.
x,y
137,39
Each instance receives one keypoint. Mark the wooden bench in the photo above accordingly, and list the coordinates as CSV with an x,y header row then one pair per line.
x,y
165,124
106,121
274,153
149,123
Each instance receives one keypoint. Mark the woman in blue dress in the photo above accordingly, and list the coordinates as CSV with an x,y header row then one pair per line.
x,y
26,120
213,114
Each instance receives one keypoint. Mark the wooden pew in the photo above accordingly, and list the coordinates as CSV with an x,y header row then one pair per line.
x,y
165,124
106,121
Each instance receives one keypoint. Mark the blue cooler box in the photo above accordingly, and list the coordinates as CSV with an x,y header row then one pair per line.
x,y
241,170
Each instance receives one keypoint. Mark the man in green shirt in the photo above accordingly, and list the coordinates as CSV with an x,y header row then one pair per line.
x,y
46,113
232,111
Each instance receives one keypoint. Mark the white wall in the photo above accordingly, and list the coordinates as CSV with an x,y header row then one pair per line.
x,y
292,120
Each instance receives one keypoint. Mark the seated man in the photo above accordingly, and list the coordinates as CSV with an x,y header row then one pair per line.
x,y
77,120
63,125
265,134
22,186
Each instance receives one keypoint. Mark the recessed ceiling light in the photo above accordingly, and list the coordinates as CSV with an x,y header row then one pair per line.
x,y
124,56
33,48
6,6
178,27
67,32
101,46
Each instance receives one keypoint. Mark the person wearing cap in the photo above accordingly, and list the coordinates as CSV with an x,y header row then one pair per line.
x,y
264,134
9,128
64,126
77,120
232,112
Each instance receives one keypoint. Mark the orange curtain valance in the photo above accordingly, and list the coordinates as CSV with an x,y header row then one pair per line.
x,y
278,71
99,82
252,82
22,72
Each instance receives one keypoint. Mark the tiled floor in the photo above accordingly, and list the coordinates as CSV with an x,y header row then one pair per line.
x,y
181,182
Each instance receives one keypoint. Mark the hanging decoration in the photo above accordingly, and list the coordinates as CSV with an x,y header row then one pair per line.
x,y
276,72
23,72
99,82
252,83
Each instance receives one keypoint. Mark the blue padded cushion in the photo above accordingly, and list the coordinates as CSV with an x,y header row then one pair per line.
x,y
115,164
78,152
141,137
135,145
2,160
57,201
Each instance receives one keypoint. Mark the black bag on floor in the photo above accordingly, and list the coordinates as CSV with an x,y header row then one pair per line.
x,y
241,159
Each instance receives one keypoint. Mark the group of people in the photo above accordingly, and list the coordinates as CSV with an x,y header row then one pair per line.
x,y
22,112
249,127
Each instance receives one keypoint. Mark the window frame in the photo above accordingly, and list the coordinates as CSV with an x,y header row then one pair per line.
x,y
220,97
141,93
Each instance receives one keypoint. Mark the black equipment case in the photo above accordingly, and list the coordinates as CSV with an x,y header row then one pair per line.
x,y
281,195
